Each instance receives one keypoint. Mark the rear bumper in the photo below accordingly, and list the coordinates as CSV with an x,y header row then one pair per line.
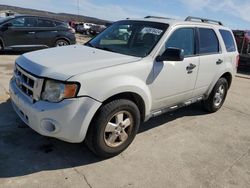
x,y
71,117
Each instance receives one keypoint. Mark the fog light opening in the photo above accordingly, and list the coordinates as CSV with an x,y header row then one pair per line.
x,y
48,126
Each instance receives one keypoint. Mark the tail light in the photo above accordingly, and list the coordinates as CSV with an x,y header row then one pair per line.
x,y
237,61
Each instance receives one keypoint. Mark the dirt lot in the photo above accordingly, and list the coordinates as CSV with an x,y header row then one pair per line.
x,y
187,148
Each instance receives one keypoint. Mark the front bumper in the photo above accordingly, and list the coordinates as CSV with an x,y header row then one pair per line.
x,y
70,118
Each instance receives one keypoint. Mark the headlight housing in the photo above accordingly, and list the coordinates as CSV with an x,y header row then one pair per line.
x,y
56,91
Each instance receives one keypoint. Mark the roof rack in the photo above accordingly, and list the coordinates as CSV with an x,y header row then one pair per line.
x,y
204,20
157,17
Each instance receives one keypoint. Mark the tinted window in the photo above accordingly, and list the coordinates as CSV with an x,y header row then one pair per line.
x,y
208,41
228,40
60,24
24,22
46,23
183,39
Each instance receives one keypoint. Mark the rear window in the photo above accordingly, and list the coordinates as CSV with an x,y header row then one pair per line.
x,y
228,40
209,43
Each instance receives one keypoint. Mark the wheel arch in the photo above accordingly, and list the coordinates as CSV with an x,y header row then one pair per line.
x,y
134,97
62,38
227,75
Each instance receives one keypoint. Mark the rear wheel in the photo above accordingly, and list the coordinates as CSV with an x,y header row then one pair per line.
x,y
217,96
113,128
61,42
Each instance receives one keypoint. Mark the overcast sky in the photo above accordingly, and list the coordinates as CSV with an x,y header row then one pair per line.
x,y
234,13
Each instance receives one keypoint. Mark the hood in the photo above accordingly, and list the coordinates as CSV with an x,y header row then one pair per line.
x,y
61,63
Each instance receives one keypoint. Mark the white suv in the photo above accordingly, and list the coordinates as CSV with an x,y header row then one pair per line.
x,y
102,91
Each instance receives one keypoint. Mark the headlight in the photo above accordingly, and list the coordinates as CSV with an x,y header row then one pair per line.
x,y
56,91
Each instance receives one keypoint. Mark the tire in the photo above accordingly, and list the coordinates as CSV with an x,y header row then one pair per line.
x,y
106,136
1,47
61,42
217,96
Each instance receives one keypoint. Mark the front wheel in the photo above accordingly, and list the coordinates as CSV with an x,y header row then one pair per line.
x,y
1,46
217,96
113,128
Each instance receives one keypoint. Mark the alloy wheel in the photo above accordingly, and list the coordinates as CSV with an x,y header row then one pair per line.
x,y
118,129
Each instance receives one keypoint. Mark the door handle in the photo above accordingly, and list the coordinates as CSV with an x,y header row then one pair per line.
x,y
32,32
190,67
219,61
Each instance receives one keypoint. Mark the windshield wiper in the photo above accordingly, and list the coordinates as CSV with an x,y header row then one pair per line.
x,y
89,44
99,47
104,48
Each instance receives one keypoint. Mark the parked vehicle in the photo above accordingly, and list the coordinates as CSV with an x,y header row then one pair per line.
x,y
243,43
84,28
6,13
102,91
94,30
32,32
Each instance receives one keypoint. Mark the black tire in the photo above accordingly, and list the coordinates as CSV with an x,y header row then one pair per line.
x,y
96,138
211,104
61,42
1,47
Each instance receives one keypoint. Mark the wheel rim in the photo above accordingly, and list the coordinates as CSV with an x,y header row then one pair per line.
x,y
219,95
118,129
61,43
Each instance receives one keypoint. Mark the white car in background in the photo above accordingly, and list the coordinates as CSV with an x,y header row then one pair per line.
x,y
84,27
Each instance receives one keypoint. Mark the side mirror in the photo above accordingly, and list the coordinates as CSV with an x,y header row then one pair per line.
x,y
171,54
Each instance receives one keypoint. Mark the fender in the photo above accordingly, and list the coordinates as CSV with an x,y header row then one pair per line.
x,y
101,90
228,68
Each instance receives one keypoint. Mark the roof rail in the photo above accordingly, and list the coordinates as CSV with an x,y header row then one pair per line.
x,y
157,17
204,20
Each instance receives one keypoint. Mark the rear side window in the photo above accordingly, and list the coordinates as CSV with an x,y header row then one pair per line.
x,y
46,23
228,40
61,24
209,43
184,39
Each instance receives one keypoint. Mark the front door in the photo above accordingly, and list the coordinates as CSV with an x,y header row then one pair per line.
x,y
21,33
174,81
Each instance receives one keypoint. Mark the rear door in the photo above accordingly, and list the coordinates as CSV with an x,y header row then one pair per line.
x,y
211,58
21,33
47,32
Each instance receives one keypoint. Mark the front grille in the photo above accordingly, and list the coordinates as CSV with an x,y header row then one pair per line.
x,y
30,85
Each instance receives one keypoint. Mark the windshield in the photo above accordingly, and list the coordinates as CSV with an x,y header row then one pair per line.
x,y
135,38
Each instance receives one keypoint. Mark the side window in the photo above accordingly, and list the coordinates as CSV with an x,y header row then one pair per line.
x,y
208,41
46,23
228,40
184,39
24,22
